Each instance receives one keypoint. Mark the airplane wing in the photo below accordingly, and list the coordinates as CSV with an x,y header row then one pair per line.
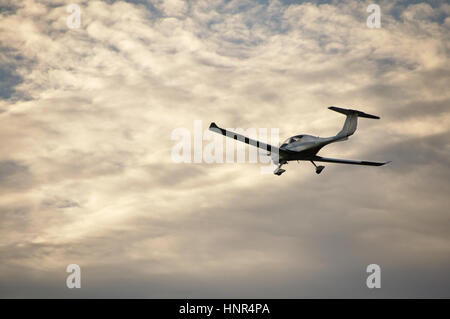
x,y
213,127
343,161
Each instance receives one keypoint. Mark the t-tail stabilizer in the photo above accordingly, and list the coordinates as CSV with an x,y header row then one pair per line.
x,y
351,121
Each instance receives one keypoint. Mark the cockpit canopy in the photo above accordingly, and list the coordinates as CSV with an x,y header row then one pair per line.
x,y
293,139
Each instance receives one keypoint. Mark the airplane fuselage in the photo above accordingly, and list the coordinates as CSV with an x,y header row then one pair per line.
x,y
303,149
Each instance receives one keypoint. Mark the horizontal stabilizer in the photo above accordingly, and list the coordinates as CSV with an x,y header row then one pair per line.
x,y
343,161
351,112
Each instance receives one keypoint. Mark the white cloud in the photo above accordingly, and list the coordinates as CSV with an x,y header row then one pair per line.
x,y
173,7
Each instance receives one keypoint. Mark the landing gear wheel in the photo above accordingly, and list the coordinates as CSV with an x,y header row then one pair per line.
x,y
279,171
319,169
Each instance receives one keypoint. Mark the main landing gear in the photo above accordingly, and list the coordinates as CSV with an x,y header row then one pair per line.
x,y
278,171
319,169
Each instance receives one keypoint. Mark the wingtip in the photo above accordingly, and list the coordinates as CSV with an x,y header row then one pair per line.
x,y
213,125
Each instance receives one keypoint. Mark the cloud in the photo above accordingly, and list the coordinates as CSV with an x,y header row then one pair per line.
x,y
14,175
85,169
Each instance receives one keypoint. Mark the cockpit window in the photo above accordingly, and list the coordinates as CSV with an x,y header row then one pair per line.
x,y
293,139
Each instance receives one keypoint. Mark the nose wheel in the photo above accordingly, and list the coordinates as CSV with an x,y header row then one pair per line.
x,y
319,169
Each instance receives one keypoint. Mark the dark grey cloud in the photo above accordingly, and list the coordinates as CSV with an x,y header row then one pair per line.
x,y
60,203
10,60
14,175
8,80
429,151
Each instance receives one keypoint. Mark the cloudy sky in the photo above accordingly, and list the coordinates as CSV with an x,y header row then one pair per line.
x,y
86,174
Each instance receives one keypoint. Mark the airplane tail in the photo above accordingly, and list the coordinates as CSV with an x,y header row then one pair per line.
x,y
351,121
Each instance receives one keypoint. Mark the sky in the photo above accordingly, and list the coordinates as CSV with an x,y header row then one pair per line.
x,y
87,177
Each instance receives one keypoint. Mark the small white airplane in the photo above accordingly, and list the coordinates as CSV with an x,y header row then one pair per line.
x,y
305,147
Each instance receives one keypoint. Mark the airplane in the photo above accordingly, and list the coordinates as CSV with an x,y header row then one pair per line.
x,y
305,147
